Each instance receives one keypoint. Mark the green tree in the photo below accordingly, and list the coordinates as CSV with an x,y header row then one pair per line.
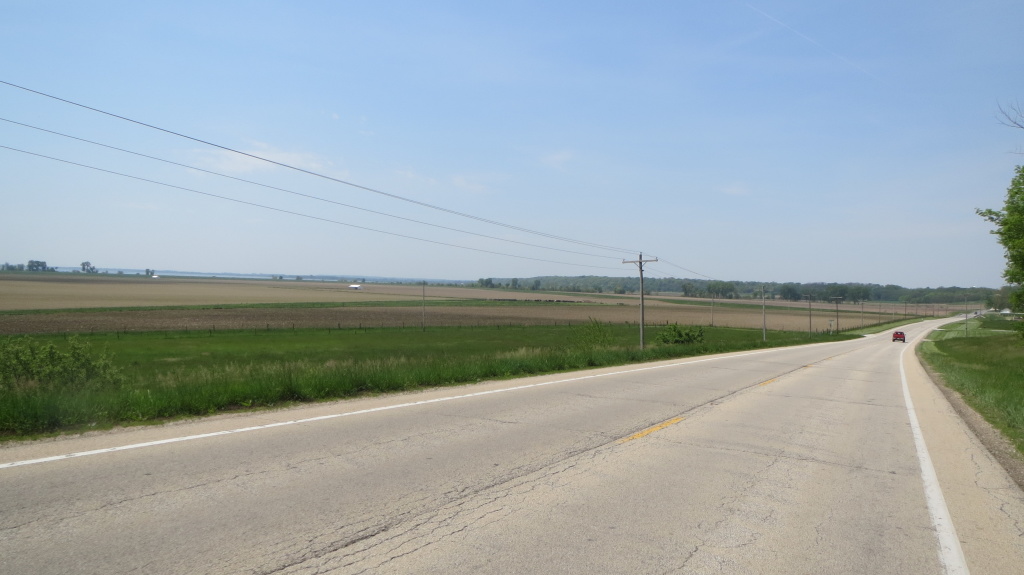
x,y
790,291
999,299
837,290
1009,224
858,293
721,289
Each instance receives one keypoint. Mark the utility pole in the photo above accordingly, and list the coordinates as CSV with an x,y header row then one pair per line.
x,y
808,315
966,334
837,299
764,322
712,309
423,308
640,264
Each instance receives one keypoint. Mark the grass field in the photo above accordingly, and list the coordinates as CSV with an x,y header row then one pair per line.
x,y
163,375
985,363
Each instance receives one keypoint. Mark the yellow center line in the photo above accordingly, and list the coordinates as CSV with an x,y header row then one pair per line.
x,y
651,430
769,381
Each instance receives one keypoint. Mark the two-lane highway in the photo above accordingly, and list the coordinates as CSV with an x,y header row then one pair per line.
x,y
798,460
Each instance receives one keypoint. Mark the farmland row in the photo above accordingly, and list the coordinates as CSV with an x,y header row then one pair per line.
x,y
785,319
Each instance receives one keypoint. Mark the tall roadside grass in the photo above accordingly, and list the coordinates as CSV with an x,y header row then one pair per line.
x,y
985,363
153,377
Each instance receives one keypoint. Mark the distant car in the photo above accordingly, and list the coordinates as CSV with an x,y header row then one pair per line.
x,y
899,336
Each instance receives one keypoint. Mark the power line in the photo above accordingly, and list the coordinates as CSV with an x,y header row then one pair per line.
x,y
300,193
298,213
326,177
351,184
663,260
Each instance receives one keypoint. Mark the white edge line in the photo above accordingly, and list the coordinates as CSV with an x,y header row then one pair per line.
x,y
950,553
371,410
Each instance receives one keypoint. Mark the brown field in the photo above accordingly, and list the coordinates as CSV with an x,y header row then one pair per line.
x,y
26,292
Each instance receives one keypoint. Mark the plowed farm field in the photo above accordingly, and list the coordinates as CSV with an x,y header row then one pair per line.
x,y
80,303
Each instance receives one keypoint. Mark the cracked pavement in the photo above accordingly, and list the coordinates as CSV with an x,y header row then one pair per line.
x,y
790,461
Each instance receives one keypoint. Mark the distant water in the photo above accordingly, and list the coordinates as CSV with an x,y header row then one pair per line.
x,y
256,276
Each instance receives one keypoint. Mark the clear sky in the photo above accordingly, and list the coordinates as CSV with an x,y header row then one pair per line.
x,y
773,140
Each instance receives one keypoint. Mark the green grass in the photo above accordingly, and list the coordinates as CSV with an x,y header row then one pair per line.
x,y
171,375
976,327
987,367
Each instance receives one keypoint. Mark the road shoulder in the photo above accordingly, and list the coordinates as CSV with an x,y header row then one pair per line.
x,y
1001,448
985,502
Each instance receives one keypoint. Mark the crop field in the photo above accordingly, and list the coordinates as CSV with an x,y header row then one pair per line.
x,y
79,303
115,350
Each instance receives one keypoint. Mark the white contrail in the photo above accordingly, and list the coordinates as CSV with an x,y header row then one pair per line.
x,y
812,41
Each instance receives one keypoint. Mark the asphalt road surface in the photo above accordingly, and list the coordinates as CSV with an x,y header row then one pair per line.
x,y
803,460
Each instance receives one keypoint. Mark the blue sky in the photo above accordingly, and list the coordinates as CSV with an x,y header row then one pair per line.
x,y
764,141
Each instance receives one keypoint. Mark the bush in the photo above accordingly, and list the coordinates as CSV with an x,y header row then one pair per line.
x,y
674,335
26,364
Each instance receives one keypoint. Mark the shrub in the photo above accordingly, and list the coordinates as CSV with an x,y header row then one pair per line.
x,y
26,364
673,334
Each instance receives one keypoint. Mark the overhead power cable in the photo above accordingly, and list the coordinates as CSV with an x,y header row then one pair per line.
x,y
302,194
664,261
326,177
262,206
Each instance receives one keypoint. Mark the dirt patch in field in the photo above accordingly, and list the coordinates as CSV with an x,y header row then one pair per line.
x,y
355,317
77,291
23,292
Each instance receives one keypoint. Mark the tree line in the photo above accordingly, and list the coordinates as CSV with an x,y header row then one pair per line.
x,y
31,266
791,291
41,266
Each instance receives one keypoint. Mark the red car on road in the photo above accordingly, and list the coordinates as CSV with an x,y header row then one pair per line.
x,y
899,336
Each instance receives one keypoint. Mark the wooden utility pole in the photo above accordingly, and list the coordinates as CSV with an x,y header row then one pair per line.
x,y
808,316
764,321
640,264
838,299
